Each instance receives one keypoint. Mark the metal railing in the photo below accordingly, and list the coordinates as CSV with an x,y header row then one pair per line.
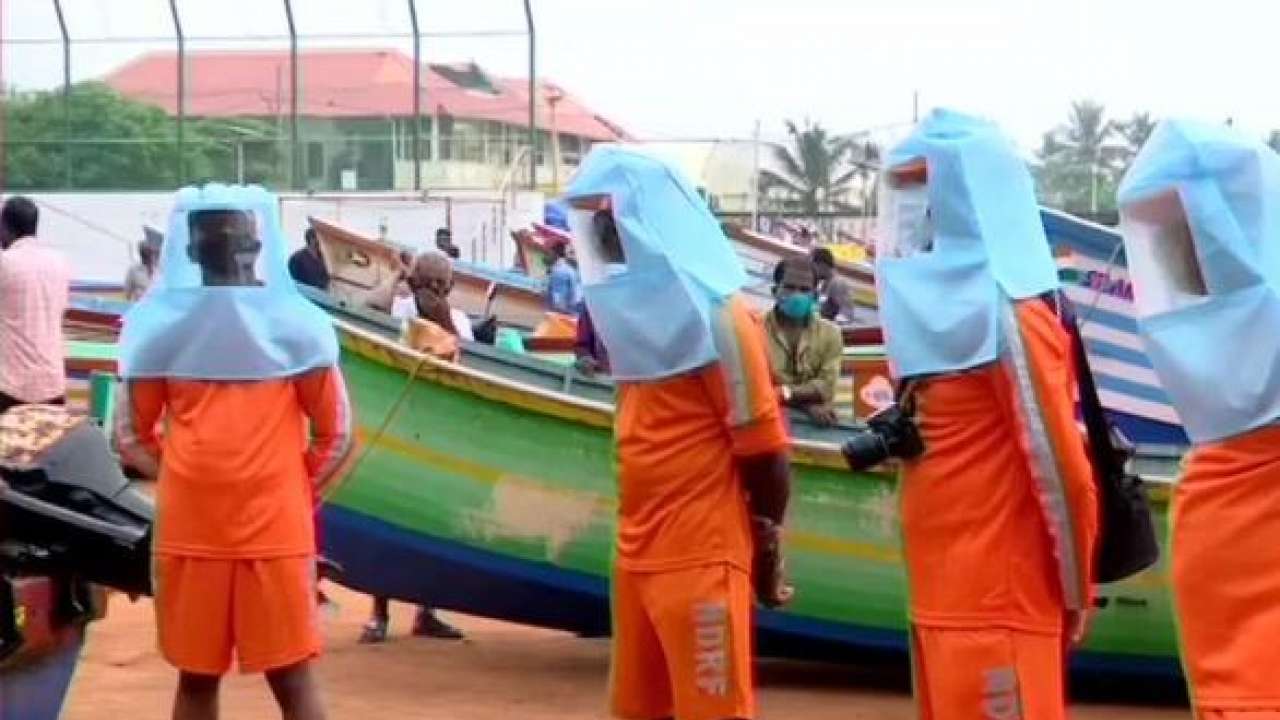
x,y
188,162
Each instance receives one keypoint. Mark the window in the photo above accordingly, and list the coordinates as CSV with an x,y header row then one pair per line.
x,y
403,132
315,160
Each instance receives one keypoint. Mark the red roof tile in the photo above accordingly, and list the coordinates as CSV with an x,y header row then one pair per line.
x,y
340,84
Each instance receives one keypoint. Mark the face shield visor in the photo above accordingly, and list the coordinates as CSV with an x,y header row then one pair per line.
x,y
1162,259
906,227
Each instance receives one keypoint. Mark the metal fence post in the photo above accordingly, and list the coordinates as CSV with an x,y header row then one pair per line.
x,y
182,92
66,90
533,98
295,172
417,98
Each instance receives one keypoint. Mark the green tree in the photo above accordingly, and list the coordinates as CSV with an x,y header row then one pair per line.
x,y
1134,133
118,143
866,158
1078,161
814,171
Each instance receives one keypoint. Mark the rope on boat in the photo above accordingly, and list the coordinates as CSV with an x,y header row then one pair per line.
x,y
391,414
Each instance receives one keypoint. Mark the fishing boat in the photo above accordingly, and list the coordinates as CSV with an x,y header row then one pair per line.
x,y
760,253
358,264
487,487
1091,264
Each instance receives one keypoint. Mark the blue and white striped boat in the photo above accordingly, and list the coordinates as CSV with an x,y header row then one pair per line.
x,y
1092,266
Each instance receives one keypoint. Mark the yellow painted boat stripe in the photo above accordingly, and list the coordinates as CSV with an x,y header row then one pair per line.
x,y
490,475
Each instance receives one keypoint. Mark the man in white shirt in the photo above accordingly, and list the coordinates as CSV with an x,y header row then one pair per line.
x,y
35,282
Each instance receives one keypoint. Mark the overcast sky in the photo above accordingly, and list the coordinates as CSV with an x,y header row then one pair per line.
x,y
712,68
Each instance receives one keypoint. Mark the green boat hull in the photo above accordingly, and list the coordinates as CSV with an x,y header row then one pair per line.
x,y
492,480
489,489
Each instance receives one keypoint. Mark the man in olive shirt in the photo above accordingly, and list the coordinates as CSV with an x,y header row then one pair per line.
x,y
804,348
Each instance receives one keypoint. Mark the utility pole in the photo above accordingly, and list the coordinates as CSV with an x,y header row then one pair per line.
x,y
915,106
755,178
533,97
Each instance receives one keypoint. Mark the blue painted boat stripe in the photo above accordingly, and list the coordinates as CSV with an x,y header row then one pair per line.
x,y
1106,318
1111,351
369,531
1128,387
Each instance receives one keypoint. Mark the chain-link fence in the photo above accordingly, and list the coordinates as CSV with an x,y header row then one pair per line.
x,y
304,95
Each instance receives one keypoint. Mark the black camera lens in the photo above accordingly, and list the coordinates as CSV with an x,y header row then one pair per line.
x,y
865,450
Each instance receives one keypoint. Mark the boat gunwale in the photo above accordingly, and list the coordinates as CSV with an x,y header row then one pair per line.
x,y
549,402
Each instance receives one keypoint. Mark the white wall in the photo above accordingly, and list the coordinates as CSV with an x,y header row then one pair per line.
x,y
100,231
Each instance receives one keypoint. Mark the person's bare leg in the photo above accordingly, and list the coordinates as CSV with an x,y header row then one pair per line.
x,y
295,690
375,630
197,697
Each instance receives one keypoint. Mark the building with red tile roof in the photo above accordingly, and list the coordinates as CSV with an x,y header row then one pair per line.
x,y
356,112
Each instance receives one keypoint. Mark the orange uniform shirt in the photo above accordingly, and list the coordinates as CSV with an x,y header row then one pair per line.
x,y
682,503
999,528
236,470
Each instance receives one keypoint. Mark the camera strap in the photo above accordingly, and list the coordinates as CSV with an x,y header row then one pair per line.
x,y
905,395
1106,458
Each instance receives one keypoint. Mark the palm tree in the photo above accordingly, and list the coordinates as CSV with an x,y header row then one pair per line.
x,y
813,170
1085,138
866,159
1077,156
1134,132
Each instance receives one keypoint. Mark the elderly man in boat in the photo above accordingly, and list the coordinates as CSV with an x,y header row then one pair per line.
x,y
702,450
1200,215
419,295
999,509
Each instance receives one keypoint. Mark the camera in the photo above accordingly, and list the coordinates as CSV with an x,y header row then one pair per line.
x,y
889,433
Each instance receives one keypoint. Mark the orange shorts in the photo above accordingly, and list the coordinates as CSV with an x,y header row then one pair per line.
x,y
988,673
263,610
1225,561
682,644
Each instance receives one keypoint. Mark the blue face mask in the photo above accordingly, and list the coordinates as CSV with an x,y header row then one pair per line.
x,y
797,306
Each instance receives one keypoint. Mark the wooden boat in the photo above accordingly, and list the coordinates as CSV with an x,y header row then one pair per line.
x,y
1092,266
491,492
487,488
760,254
358,263
533,248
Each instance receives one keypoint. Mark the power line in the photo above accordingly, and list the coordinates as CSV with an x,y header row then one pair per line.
x,y
248,39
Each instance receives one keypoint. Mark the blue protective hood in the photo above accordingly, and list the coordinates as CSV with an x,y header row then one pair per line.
x,y
943,274
655,317
1200,213
183,329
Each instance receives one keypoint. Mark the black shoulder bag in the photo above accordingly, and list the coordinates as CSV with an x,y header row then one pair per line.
x,y
1127,538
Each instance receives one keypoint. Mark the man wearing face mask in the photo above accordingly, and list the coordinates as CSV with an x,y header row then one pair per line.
x,y
702,450
213,342
998,512
804,349
1200,215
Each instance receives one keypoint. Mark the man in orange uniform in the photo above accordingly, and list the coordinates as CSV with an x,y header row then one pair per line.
x,y
1200,213
999,512
240,370
703,474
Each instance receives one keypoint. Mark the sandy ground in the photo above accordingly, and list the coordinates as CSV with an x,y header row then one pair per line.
x,y
500,672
